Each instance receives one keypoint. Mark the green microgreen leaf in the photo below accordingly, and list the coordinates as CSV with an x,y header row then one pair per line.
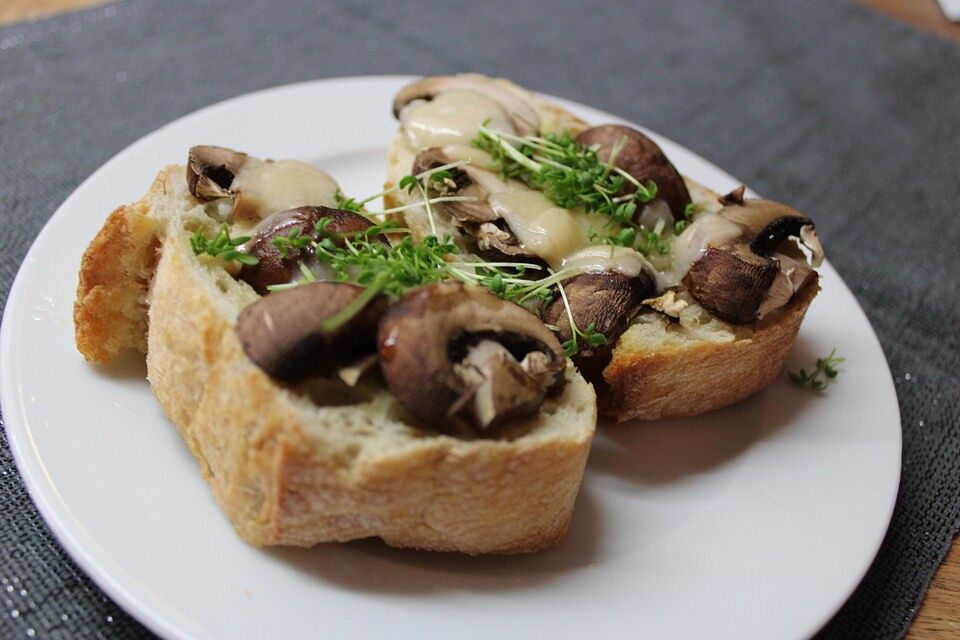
x,y
221,246
345,203
293,240
826,367
393,269
573,176
590,335
684,222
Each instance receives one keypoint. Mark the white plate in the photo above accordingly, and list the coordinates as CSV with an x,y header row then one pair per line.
x,y
754,521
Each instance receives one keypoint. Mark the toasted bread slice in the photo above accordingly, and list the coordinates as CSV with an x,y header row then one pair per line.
x,y
661,367
320,461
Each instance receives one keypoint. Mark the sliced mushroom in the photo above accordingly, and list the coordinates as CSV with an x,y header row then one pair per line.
x,y
667,303
607,300
461,184
734,197
281,333
273,268
738,280
643,159
494,238
793,275
524,117
211,170
448,351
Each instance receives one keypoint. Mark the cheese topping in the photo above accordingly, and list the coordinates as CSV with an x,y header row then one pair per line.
x,y
559,236
562,237
477,157
269,186
451,118
596,258
548,231
706,229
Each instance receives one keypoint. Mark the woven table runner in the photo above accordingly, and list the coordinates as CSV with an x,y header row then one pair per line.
x,y
825,105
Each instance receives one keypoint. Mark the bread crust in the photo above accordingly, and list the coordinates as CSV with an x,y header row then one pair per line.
x,y
110,311
286,470
669,380
677,381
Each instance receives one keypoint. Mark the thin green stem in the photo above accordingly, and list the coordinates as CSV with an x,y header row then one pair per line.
x,y
356,305
426,204
573,325
414,205
421,175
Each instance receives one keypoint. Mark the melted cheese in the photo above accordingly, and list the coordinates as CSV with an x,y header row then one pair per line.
x,y
451,118
477,158
269,186
597,258
707,229
557,235
548,231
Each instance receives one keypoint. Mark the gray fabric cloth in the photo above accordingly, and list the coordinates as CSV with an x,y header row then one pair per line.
x,y
825,105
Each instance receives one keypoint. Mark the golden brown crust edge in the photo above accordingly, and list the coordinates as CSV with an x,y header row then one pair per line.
x,y
110,311
687,380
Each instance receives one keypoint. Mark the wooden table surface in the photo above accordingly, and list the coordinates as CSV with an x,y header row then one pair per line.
x,y
939,615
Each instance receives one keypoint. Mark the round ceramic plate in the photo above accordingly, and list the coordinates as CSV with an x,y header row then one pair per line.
x,y
753,521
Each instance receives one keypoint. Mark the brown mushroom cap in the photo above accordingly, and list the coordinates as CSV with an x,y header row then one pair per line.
x,y
281,332
730,282
643,159
732,279
272,268
608,300
211,170
448,350
524,117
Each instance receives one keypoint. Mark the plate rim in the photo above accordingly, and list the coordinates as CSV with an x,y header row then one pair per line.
x,y
56,513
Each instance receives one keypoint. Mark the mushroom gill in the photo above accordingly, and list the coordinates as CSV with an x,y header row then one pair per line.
x,y
476,216
462,183
211,170
449,351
